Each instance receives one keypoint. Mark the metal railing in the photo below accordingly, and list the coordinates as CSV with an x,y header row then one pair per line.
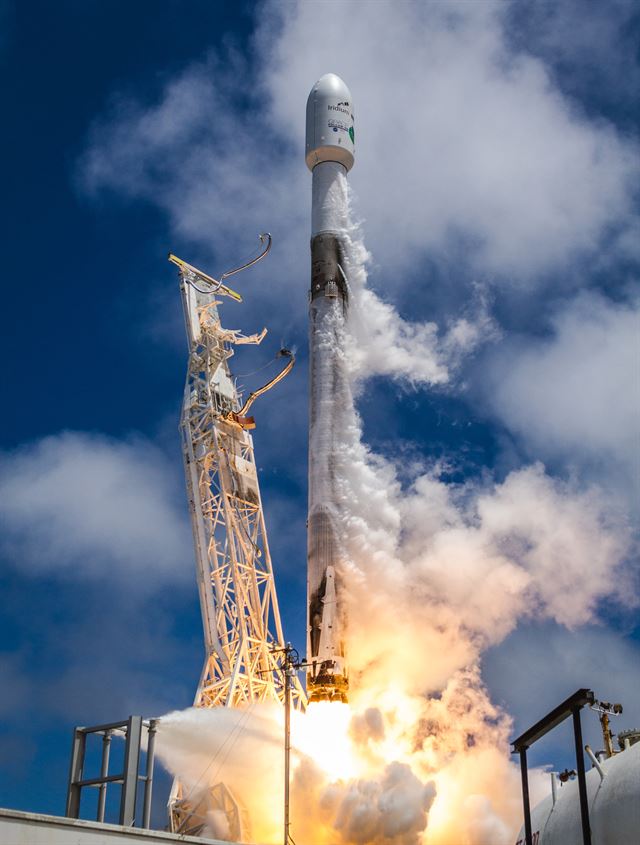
x,y
571,707
128,778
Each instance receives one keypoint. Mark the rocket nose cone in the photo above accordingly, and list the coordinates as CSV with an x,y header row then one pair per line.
x,y
330,126
331,85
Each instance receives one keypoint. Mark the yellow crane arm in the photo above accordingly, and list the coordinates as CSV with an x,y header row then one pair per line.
x,y
285,353
216,286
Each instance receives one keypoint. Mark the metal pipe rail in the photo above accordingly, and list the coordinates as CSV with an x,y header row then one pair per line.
x,y
128,778
571,707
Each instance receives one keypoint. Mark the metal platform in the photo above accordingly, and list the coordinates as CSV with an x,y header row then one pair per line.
x,y
18,828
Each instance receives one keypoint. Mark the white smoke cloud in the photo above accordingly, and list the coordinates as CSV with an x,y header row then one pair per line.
x,y
466,137
593,54
382,343
471,562
395,809
445,571
514,180
531,546
511,174
84,505
490,553
575,394
434,575
508,164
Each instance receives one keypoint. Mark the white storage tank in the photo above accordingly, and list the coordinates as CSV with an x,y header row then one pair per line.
x,y
614,806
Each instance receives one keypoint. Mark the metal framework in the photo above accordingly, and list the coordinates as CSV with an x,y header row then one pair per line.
x,y
241,619
571,707
129,777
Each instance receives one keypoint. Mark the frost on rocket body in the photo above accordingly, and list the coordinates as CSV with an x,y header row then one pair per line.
x,y
433,574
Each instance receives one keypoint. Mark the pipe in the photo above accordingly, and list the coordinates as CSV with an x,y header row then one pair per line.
x,y
582,782
287,744
148,786
286,353
595,761
104,771
526,806
264,236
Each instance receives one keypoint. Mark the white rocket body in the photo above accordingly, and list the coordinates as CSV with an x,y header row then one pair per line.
x,y
329,155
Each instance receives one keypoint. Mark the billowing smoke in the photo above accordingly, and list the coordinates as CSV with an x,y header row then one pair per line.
x,y
436,573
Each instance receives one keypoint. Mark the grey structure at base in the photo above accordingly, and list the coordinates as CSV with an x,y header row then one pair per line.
x,y
18,828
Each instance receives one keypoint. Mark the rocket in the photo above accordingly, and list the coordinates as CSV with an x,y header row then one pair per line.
x,y
329,156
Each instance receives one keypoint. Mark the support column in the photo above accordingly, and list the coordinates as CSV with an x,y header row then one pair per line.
x,y
582,781
524,774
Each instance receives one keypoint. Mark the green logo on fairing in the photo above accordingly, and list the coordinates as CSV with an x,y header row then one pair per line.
x,y
351,134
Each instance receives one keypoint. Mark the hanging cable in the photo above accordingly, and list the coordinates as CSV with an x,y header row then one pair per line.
x,y
190,273
259,370
264,236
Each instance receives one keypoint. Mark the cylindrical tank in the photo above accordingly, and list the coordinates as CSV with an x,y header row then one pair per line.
x,y
330,130
614,806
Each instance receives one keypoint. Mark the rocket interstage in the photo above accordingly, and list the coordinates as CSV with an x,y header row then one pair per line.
x,y
329,155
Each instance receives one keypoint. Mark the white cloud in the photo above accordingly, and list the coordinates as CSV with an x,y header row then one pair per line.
x,y
532,546
193,153
459,137
465,147
381,342
575,395
596,53
457,134
82,505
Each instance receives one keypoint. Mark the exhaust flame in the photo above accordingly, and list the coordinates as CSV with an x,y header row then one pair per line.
x,y
409,770
434,574
334,756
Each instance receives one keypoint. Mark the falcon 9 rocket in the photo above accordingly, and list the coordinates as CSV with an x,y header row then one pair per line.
x,y
329,156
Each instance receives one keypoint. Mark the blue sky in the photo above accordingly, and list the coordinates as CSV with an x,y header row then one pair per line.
x,y
497,182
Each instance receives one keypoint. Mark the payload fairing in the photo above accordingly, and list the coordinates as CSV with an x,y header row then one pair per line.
x,y
329,155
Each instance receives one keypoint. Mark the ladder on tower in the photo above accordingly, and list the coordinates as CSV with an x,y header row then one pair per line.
x,y
242,627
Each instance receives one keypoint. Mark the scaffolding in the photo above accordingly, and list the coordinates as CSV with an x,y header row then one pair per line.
x,y
241,619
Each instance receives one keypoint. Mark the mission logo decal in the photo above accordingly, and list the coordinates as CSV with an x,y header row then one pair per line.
x,y
339,126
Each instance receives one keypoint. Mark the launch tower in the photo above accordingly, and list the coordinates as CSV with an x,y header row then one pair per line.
x,y
240,615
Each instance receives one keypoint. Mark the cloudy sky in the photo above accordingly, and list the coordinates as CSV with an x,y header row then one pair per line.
x,y
497,186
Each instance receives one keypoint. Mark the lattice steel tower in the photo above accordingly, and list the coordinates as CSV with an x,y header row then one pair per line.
x,y
240,615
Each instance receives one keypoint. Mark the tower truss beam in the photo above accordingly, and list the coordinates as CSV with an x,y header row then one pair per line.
x,y
240,614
